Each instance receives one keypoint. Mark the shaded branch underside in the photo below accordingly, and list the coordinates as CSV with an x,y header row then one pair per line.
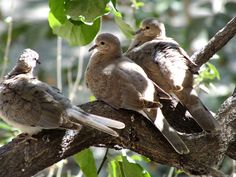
x,y
24,158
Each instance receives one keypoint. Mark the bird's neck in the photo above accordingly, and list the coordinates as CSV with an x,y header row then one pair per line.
x,y
19,70
99,57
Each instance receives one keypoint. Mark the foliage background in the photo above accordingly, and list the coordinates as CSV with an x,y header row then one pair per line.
x,y
24,24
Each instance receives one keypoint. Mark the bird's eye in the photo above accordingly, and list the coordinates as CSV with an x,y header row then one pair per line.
x,y
102,43
147,27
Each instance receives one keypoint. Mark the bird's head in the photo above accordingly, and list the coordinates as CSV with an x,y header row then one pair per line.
x,y
28,59
151,27
107,43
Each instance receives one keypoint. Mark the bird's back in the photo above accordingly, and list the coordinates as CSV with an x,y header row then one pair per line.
x,y
27,101
120,82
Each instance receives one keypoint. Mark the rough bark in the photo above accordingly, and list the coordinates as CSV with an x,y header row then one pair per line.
x,y
24,158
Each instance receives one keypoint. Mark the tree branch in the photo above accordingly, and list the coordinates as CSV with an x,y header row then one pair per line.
x,y
24,158
215,44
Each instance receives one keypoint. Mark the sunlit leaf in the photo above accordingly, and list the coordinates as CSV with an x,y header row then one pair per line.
x,y
4,126
88,10
137,4
57,9
114,169
140,158
179,172
86,162
124,166
213,71
131,169
75,32
125,28
92,98
114,4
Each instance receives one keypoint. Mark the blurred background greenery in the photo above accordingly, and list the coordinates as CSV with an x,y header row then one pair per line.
x,y
24,24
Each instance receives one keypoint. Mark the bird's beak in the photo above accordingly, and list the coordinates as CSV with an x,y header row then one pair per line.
x,y
139,31
38,62
93,47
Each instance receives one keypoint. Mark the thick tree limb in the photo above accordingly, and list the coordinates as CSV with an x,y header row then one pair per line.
x,y
215,44
24,158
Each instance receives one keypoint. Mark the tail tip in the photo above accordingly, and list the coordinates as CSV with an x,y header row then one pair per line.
x,y
121,126
214,129
183,149
115,134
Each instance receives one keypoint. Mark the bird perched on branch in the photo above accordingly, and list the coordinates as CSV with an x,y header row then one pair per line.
x,y
121,83
31,105
169,66
150,29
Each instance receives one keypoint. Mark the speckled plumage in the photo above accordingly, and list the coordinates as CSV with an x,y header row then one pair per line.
x,y
31,105
169,66
121,83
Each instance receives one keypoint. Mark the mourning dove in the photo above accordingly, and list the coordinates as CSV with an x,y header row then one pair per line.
x,y
121,83
169,66
150,29
31,105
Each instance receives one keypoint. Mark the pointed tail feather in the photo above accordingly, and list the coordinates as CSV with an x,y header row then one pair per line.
x,y
188,97
103,120
203,117
85,119
168,132
108,122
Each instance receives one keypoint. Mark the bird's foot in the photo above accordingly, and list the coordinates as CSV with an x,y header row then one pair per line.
x,y
177,88
26,137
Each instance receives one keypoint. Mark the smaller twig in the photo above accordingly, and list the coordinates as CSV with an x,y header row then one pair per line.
x,y
59,57
215,44
103,161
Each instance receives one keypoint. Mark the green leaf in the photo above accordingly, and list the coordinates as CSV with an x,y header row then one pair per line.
x,y
113,169
57,9
206,76
209,73
75,32
92,98
137,4
125,28
114,3
179,172
88,10
86,162
125,167
138,157
5,126
132,169
213,71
